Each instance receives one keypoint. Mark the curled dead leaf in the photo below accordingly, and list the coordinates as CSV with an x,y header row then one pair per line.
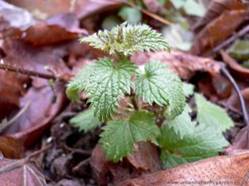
x,y
46,102
230,170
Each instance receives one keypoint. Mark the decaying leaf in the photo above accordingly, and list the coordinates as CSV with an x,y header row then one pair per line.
x,y
223,170
216,8
58,29
185,65
20,173
145,159
217,31
31,125
10,147
82,8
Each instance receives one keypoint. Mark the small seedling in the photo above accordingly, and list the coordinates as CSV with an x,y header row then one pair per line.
x,y
143,103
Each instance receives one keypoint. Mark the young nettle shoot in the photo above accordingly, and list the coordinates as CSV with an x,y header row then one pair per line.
x,y
123,95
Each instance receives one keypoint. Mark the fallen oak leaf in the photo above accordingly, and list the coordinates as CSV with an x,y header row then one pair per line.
x,y
229,170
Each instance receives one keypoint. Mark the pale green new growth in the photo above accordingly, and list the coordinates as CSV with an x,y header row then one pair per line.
x,y
85,120
161,86
105,83
119,137
127,39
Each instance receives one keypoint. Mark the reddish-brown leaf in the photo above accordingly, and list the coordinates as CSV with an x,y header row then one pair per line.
x,y
185,65
10,147
45,100
145,157
144,160
45,103
218,30
85,8
58,29
222,170
216,8
82,8
20,173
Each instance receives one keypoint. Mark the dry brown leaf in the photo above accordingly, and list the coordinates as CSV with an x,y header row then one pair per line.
x,y
10,147
61,28
217,31
185,65
145,157
85,8
144,160
82,8
43,9
222,170
11,89
20,173
216,8
45,103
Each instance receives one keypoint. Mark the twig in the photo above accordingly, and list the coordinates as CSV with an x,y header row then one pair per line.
x,y
152,15
27,72
231,39
225,72
79,166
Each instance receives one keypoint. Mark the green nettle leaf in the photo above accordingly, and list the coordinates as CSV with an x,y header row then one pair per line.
x,y
119,137
85,120
131,15
159,85
182,124
105,83
197,142
77,85
211,114
188,89
126,39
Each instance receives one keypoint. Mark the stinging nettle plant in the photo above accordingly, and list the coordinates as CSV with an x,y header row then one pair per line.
x,y
131,99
